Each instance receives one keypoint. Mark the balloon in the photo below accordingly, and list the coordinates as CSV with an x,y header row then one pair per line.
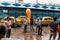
x,y
28,12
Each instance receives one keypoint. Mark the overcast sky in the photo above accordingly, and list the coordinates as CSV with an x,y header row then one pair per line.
x,y
34,1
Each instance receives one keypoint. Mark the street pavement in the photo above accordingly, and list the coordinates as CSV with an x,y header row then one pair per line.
x,y
46,34
18,34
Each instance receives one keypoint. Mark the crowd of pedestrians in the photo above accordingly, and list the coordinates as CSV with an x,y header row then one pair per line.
x,y
54,28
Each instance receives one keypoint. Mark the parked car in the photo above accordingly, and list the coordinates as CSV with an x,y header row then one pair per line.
x,y
12,20
2,21
46,20
19,20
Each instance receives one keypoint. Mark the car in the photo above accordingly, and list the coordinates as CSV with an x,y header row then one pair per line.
x,y
46,20
12,20
19,20
2,18
2,21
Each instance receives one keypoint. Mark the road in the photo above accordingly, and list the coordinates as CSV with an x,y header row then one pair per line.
x,y
18,34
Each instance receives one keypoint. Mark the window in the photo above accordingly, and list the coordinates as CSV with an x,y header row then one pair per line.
x,y
51,14
5,11
48,19
56,14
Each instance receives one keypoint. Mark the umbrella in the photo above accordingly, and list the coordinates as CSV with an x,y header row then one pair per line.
x,y
27,5
17,4
36,6
5,3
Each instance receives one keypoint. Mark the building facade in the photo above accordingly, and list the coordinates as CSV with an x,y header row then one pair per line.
x,y
37,10
22,12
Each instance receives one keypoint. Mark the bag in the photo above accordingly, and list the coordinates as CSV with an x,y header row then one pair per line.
x,y
58,28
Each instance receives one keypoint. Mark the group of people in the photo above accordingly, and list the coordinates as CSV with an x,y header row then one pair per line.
x,y
54,28
38,25
5,29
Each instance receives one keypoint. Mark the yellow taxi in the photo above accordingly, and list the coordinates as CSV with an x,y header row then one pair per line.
x,y
20,19
46,20
12,20
2,21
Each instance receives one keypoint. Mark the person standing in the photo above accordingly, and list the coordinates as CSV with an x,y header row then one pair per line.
x,y
25,25
36,23
58,28
8,27
53,28
39,25
31,24
2,31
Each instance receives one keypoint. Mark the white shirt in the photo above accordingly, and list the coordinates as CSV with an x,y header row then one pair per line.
x,y
39,22
25,22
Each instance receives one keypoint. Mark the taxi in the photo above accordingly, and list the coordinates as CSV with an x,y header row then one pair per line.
x,y
19,20
2,21
46,20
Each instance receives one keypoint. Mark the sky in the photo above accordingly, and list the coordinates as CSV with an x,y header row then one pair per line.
x,y
34,1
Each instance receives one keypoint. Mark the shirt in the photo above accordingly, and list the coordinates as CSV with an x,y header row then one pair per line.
x,y
8,24
53,25
25,22
39,22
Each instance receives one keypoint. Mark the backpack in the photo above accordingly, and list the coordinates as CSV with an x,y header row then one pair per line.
x,y
58,28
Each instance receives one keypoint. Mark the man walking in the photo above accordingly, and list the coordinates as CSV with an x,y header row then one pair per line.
x,y
25,25
39,26
53,28
31,24
8,27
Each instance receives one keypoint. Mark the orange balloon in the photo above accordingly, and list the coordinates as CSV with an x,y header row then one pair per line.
x,y
28,12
